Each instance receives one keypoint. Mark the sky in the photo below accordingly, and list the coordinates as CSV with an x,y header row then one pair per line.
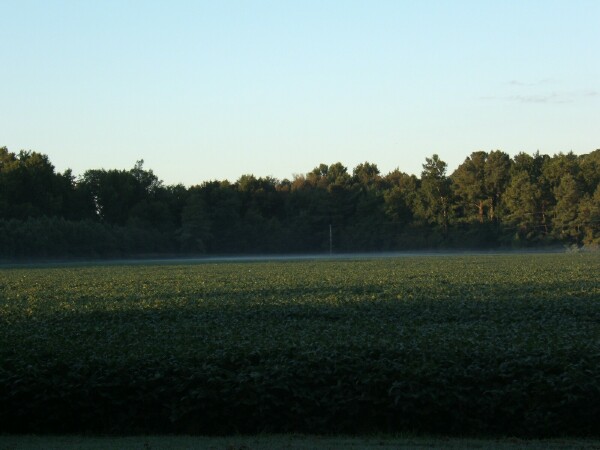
x,y
212,90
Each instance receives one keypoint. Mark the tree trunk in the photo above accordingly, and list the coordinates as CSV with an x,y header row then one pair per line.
x,y
491,210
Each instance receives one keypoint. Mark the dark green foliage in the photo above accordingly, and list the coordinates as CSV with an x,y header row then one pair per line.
x,y
435,193
506,345
479,184
59,238
29,187
489,201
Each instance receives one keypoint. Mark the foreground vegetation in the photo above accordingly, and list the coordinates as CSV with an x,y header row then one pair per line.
x,y
291,442
494,345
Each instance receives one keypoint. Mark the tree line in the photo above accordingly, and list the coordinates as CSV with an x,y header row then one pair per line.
x,y
490,201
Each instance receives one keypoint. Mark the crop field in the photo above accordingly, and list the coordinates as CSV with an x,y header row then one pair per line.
x,y
464,345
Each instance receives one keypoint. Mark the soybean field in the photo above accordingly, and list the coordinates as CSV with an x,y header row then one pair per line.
x,y
464,345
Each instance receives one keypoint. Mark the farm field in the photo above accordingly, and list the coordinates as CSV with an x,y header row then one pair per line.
x,y
459,345
287,442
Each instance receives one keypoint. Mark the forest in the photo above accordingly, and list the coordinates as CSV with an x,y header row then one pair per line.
x,y
491,201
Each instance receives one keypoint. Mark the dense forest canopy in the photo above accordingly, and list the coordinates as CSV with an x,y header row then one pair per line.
x,y
491,200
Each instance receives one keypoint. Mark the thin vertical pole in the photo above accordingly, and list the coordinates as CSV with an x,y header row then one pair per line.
x,y
330,241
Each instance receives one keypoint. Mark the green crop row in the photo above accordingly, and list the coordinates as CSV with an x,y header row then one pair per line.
x,y
455,344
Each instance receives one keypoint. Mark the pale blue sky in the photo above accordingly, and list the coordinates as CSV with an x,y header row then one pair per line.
x,y
206,90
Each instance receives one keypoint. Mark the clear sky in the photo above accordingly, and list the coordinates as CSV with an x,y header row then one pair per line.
x,y
205,90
